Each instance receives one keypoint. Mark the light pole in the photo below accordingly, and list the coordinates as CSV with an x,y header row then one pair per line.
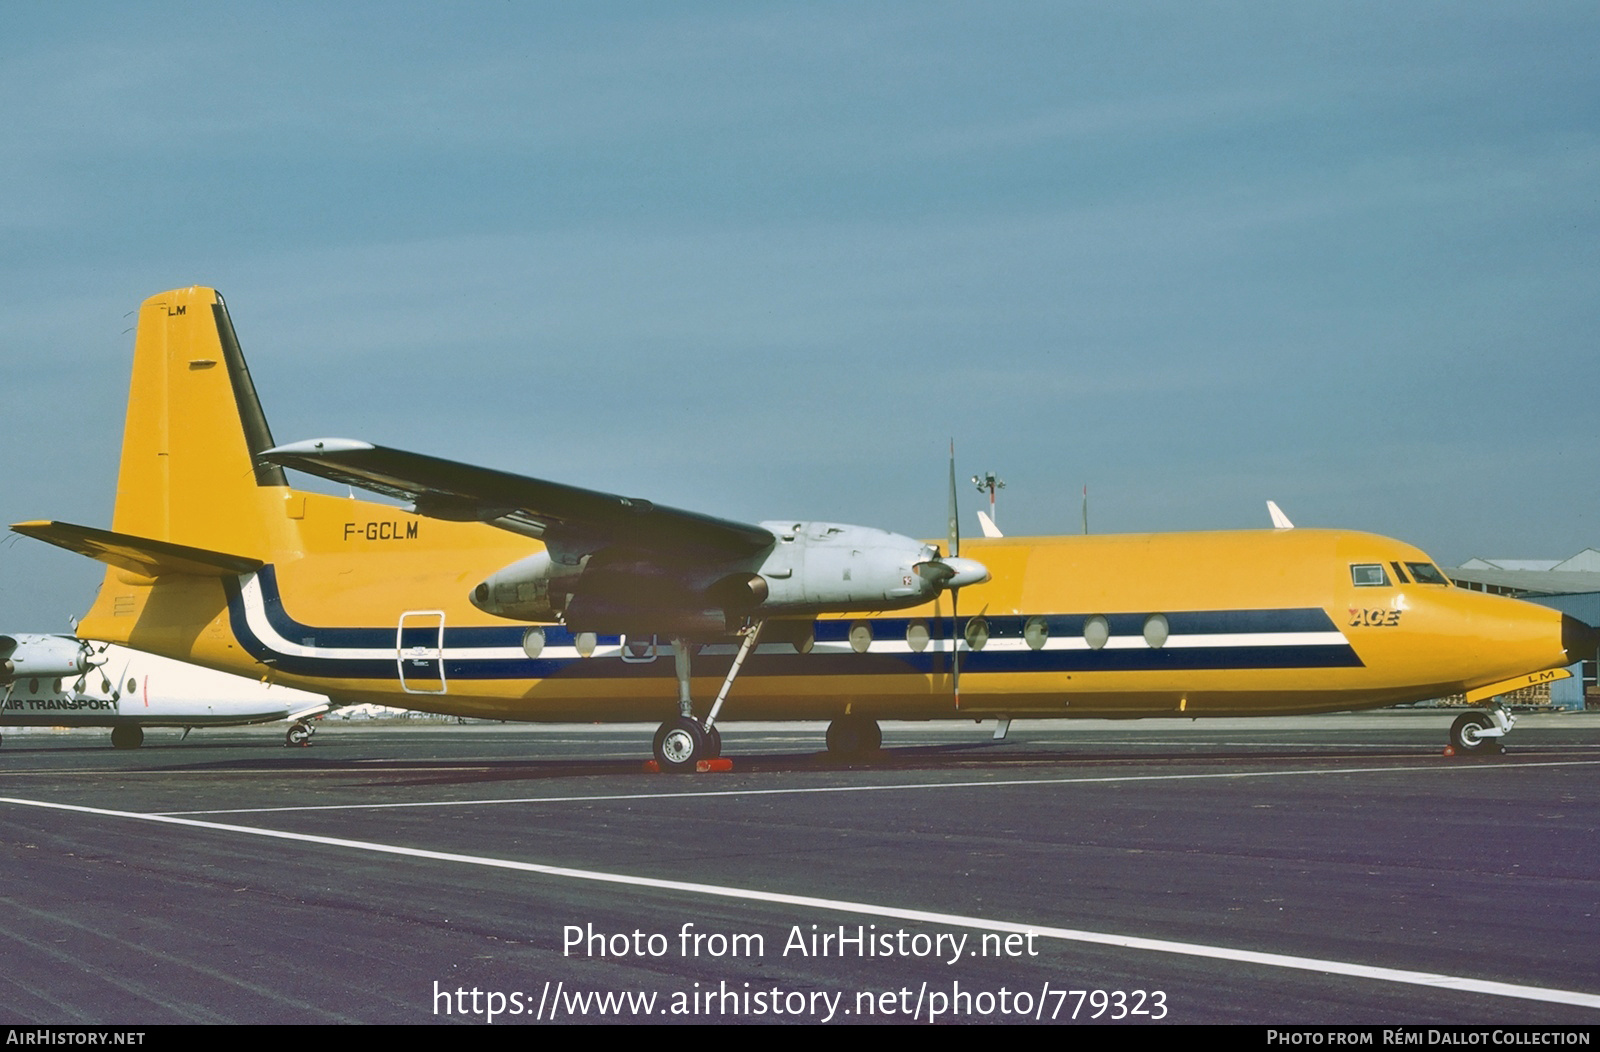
x,y
988,483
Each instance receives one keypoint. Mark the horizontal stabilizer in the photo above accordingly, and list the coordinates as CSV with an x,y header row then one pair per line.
x,y
446,489
138,554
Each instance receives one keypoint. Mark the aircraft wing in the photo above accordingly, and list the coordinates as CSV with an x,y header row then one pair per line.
x,y
564,516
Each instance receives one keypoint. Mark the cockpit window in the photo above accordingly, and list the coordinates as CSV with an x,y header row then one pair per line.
x,y
1369,575
1427,573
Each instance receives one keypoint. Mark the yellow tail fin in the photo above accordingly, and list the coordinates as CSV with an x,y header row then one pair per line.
x,y
189,474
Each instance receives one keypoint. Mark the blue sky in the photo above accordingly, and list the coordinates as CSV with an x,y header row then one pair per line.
x,y
765,260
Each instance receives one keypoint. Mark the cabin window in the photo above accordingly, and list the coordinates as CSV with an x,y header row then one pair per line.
x,y
1427,573
1096,630
1036,632
860,637
1369,575
977,633
917,635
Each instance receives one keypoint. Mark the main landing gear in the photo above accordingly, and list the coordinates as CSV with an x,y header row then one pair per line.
x,y
298,734
127,737
1480,732
684,741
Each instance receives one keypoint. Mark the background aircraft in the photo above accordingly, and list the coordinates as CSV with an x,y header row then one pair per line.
x,y
59,681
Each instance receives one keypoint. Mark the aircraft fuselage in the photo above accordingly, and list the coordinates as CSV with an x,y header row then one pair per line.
x,y
1225,623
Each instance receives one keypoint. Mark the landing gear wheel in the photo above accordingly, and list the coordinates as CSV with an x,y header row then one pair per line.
x,y
713,743
126,737
679,744
854,736
297,734
1466,733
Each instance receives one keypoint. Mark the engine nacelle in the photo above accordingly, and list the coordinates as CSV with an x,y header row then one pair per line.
x,y
826,567
41,656
531,589
811,568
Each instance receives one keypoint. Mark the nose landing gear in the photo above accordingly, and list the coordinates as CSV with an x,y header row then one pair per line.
x,y
1479,733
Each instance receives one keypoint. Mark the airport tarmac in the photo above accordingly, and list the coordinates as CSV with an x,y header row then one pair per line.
x,y
1331,869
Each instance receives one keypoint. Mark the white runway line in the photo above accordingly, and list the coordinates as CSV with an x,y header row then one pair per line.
x,y
882,788
1456,983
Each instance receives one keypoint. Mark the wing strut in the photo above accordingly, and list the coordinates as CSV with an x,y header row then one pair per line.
x,y
751,634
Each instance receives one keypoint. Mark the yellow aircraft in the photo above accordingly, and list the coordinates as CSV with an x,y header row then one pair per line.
x,y
507,597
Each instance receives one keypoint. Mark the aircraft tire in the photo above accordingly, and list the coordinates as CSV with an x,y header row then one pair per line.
x,y
297,734
713,743
854,736
1466,733
680,743
126,737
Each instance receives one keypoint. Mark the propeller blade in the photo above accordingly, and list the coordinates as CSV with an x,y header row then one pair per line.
x,y
955,650
955,522
953,556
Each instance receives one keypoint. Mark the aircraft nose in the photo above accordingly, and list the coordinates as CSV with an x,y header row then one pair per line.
x,y
1580,640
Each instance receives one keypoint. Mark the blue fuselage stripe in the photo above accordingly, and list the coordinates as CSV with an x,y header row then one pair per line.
x,y
1247,654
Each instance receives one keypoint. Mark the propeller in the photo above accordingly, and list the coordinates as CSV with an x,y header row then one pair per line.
x,y
93,657
955,590
950,570
951,573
